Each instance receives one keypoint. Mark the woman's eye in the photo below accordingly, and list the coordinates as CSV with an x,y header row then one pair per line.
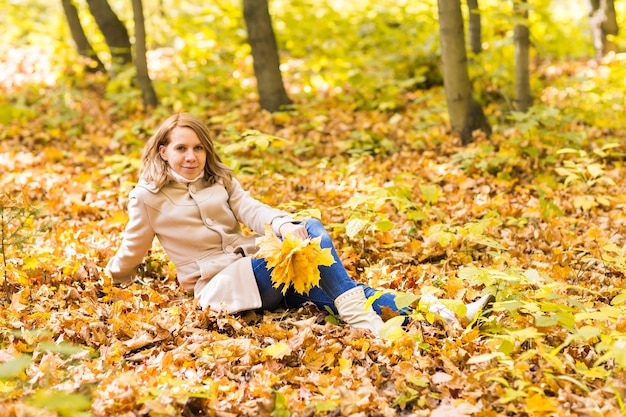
x,y
199,148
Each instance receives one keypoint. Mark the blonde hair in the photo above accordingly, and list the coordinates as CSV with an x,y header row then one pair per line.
x,y
156,171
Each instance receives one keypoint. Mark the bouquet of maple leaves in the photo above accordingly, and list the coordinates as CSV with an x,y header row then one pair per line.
x,y
295,261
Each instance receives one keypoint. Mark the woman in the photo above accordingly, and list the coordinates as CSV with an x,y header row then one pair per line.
x,y
190,200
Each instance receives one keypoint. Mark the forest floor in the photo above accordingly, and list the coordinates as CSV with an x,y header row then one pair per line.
x,y
535,214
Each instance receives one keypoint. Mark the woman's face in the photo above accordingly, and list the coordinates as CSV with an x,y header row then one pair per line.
x,y
185,154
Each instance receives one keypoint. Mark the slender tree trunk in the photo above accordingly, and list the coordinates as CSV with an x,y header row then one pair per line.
x,y
83,46
603,20
466,115
521,39
5,283
474,29
141,64
114,31
272,94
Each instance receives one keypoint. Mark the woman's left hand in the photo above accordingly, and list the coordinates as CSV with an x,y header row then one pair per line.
x,y
296,230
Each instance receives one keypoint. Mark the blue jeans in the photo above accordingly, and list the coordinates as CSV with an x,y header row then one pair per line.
x,y
334,281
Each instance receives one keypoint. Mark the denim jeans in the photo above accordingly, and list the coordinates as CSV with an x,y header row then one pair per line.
x,y
334,281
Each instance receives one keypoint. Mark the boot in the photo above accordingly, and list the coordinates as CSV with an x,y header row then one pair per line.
x,y
434,306
351,308
482,306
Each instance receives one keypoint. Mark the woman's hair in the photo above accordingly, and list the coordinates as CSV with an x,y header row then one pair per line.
x,y
155,170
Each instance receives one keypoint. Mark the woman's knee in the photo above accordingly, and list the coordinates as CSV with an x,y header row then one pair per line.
x,y
315,228
313,223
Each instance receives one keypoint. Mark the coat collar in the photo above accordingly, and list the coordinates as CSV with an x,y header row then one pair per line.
x,y
199,182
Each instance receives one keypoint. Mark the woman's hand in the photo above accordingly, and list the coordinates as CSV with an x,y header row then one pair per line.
x,y
296,230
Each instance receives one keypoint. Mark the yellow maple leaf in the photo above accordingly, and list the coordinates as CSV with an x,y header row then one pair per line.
x,y
295,261
540,404
277,350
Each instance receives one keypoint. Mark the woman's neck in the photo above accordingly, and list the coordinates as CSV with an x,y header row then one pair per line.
x,y
179,178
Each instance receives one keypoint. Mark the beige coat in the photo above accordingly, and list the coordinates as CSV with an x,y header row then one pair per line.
x,y
198,225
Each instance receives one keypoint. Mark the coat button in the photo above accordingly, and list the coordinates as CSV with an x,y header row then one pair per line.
x,y
228,249
208,221
192,188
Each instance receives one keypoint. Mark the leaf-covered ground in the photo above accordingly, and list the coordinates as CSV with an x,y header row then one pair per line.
x,y
534,214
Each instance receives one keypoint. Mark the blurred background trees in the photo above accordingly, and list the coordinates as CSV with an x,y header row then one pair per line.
x,y
284,52
604,26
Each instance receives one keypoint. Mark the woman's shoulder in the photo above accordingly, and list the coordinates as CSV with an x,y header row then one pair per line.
x,y
148,186
144,189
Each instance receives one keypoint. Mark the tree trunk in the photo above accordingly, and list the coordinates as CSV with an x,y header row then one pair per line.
x,y
474,28
272,94
141,64
83,46
114,31
521,39
603,20
465,113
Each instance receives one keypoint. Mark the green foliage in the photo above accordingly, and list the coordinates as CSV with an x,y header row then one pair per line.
x,y
483,157
280,406
65,404
558,30
17,230
27,26
368,143
548,207
537,306
369,207
121,90
545,127
400,198
470,235
248,151
10,112
13,368
536,135
373,50
41,392
613,257
120,164
586,171
339,46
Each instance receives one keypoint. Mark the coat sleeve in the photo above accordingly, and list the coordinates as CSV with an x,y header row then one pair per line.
x,y
137,240
253,213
